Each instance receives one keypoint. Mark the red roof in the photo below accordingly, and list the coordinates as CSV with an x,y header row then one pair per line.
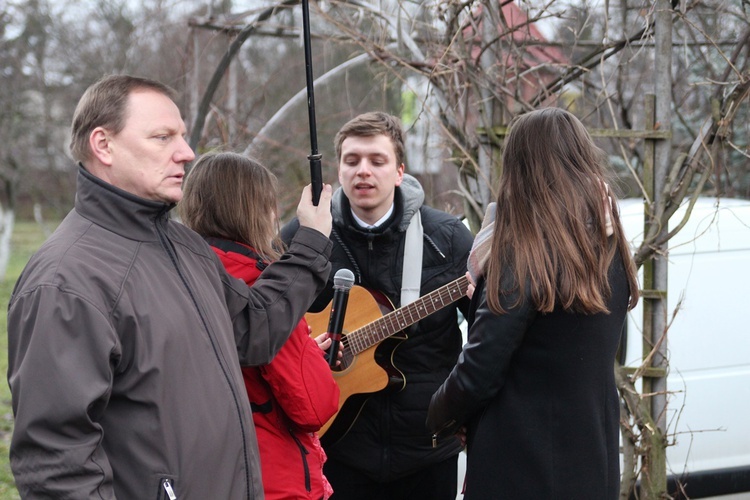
x,y
524,35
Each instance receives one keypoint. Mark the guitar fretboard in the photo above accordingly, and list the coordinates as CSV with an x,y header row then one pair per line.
x,y
395,321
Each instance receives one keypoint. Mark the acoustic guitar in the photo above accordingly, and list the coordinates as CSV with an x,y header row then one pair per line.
x,y
366,366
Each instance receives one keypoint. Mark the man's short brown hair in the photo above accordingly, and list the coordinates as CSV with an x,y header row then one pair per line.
x,y
371,124
104,104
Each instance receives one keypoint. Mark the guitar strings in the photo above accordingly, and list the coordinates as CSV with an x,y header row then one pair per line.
x,y
367,336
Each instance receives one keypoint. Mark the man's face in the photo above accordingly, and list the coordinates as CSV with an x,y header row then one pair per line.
x,y
368,174
149,154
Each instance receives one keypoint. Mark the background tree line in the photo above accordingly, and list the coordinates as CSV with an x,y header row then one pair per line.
x,y
456,72
481,65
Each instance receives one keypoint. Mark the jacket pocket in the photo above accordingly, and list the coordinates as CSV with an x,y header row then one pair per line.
x,y
448,429
305,465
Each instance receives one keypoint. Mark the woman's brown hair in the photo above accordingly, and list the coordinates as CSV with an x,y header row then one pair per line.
x,y
231,196
550,237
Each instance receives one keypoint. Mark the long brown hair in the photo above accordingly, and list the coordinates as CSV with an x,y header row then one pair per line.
x,y
550,232
231,196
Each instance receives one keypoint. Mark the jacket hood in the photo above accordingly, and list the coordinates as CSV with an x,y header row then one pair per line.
x,y
410,193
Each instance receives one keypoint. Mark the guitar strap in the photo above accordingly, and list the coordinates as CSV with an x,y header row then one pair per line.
x,y
411,276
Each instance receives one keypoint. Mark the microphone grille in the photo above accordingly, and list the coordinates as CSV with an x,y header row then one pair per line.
x,y
343,278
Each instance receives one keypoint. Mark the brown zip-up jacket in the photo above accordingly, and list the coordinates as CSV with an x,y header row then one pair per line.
x,y
126,338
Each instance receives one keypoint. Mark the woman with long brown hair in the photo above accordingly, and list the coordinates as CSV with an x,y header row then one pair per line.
x,y
230,200
533,391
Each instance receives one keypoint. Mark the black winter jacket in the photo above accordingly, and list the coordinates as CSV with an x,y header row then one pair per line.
x,y
389,438
538,397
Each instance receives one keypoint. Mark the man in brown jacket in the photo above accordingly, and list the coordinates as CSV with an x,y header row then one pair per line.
x,y
126,335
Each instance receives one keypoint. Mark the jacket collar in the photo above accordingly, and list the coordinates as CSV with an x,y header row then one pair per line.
x,y
117,210
408,198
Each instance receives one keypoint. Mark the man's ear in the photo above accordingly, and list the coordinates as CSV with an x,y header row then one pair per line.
x,y
400,171
99,142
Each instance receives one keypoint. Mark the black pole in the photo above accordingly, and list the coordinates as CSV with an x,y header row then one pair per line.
x,y
316,175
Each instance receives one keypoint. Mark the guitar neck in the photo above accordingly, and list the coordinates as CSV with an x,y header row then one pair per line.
x,y
372,333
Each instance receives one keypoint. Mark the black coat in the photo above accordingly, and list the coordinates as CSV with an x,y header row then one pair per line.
x,y
538,396
389,439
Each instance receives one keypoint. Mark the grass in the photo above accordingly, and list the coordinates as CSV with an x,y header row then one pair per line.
x,y
27,237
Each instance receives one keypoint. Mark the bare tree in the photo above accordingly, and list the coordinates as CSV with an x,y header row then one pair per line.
x,y
487,62
466,67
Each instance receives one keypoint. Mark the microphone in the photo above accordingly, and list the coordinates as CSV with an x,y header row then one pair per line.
x,y
342,283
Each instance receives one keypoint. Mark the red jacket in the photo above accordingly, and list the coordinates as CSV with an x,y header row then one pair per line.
x,y
291,398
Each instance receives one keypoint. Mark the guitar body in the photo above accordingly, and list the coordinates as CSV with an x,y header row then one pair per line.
x,y
372,331
362,374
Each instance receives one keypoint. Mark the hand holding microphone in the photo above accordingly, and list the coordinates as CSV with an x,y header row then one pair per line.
x,y
324,342
343,281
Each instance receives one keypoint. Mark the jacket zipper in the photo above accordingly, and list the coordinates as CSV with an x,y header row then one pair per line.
x,y
386,438
303,452
437,434
160,224
166,484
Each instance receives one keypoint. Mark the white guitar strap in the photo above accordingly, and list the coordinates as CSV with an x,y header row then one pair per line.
x,y
411,276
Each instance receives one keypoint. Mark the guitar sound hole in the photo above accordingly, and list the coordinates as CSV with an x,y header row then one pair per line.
x,y
346,361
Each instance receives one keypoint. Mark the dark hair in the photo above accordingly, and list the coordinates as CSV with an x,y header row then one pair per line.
x,y
371,124
104,104
231,196
550,229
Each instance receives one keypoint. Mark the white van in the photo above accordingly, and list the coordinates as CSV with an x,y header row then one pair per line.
x,y
708,345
